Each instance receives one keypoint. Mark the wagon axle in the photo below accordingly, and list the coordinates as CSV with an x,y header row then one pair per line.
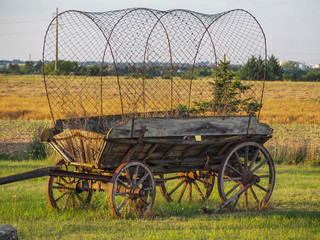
x,y
132,191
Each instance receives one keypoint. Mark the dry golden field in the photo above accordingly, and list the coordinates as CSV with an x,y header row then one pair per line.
x,y
24,97
291,103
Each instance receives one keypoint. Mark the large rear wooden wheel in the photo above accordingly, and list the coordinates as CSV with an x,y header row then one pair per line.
x,y
246,177
132,190
67,192
189,186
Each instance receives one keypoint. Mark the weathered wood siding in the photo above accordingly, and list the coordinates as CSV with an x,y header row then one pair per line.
x,y
209,126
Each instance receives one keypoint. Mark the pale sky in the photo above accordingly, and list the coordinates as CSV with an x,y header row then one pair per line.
x,y
292,27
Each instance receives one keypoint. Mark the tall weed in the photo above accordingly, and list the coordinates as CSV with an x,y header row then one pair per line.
x,y
37,149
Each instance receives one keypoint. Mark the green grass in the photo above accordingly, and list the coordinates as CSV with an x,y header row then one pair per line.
x,y
293,212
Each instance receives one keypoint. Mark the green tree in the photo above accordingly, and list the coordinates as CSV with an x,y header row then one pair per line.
x,y
14,69
38,67
93,70
253,70
64,67
28,68
312,75
274,70
227,91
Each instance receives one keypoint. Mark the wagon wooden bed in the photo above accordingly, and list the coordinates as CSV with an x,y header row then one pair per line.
x,y
128,134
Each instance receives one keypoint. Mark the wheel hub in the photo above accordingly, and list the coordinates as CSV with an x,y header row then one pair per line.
x,y
135,191
248,177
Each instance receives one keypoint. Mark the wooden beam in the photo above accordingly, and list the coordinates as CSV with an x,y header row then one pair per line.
x,y
150,151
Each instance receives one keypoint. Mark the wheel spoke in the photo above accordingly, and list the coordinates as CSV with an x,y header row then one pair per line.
x,y
234,169
144,201
246,156
200,181
80,198
235,204
143,178
128,175
66,202
122,183
135,175
72,199
62,178
254,195
176,187
254,158
62,195
259,166
182,192
239,161
198,189
232,189
264,176
245,195
232,179
129,206
120,193
123,203
190,191
58,183
262,188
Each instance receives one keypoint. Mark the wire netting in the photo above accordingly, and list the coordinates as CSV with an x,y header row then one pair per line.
x,y
143,63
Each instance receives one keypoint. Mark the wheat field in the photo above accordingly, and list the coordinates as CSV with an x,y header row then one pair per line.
x,y
24,97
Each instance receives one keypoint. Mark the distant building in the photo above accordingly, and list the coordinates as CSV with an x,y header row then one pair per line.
x,y
302,66
316,66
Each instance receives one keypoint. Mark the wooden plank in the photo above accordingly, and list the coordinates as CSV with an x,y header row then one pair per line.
x,y
206,126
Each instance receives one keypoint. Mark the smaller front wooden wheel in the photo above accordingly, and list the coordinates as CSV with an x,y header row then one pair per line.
x,y
132,189
68,192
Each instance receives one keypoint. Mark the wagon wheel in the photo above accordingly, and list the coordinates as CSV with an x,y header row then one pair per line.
x,y
246,177
67,192
190,183
132,189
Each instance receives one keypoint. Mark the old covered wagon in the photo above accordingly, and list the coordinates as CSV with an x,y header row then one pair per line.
x,y
143,98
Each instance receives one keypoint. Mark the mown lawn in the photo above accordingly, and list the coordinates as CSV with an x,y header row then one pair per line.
x,y
293,213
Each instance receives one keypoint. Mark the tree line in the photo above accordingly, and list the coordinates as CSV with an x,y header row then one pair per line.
x,y
254,68
28,68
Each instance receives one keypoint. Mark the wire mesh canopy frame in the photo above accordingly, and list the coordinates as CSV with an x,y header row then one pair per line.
x,y
142,62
